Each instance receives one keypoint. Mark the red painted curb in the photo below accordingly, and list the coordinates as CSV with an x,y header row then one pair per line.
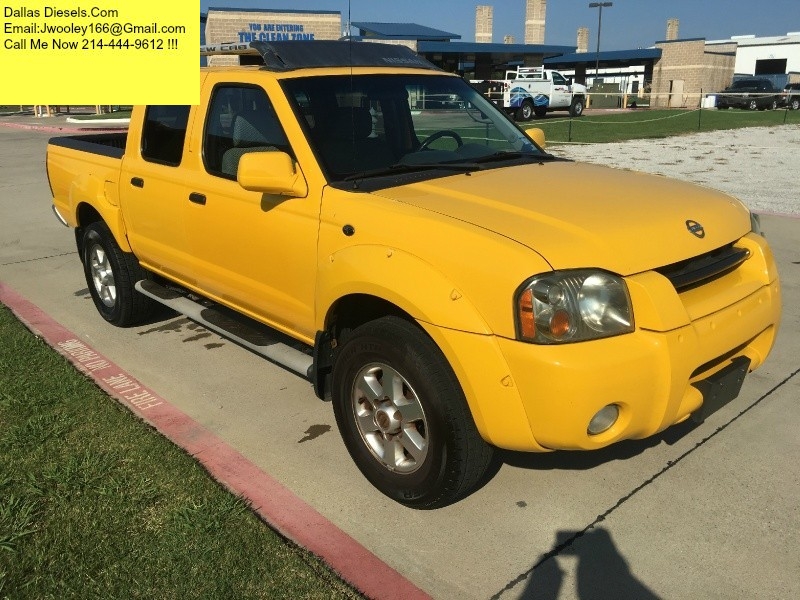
x,y
277,505
54,129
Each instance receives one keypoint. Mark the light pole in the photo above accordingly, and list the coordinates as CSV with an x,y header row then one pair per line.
x,y
599,5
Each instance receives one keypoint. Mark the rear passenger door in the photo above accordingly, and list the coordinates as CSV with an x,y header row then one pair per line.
x,y
254,251
152,191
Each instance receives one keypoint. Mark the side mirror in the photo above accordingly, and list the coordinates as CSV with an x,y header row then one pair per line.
x,y
271,173
537,135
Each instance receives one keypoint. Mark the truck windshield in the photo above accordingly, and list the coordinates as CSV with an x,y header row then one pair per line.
x,y
367,125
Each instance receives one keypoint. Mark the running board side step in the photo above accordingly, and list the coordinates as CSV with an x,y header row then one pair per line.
x,y
244,331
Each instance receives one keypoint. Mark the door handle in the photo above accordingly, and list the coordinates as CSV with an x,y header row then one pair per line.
x,y
137,182
197,198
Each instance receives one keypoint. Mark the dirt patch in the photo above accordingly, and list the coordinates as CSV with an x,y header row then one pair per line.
x,y
758,165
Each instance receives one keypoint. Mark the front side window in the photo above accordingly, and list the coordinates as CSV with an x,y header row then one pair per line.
x,y
361,126
241,119
164,134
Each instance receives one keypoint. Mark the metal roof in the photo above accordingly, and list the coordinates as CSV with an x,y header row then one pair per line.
x,y
403,31
272,10
610,56
477,48
775,40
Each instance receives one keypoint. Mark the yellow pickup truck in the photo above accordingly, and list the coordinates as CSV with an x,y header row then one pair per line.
x,y
374,224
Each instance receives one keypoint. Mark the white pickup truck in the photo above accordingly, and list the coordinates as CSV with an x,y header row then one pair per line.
x,y
530,91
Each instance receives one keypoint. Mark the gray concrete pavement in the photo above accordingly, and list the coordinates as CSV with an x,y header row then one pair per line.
x,y
705,513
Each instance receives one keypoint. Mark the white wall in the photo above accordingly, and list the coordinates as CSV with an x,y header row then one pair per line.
x,y
624,76
752,49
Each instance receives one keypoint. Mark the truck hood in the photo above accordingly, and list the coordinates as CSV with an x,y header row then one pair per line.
x,y
577,215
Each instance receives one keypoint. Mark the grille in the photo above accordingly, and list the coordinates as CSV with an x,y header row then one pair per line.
x,y
705,268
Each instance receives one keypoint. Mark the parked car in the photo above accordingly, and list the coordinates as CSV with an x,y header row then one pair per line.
x,y
751,94
791,96
530,91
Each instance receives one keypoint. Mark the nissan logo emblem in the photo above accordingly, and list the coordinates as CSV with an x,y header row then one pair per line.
x,y
695,229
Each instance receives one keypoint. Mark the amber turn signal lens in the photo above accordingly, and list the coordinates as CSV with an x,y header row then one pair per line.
x,y
526,321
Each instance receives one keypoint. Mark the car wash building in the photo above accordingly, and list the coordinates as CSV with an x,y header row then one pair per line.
x,y
243,25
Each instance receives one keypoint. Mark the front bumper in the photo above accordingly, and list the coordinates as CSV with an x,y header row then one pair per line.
x,y
536,398
648,374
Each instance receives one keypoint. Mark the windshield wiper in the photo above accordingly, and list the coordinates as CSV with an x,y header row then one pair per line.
x,y
400,168
507,155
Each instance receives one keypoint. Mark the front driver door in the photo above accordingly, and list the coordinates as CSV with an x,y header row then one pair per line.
x,y
256,252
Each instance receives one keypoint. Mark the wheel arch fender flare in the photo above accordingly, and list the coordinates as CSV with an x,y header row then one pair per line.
x,y
404,282
94,198
399,278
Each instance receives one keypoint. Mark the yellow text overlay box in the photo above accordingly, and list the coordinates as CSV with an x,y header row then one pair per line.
x,y
93,52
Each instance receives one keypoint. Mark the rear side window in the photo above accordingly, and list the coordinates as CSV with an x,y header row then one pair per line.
x,y
164,134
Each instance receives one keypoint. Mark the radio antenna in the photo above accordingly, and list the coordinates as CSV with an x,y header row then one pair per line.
x,y
350,34
352,111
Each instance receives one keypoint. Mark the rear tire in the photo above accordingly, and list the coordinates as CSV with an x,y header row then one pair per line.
x,y
576,108
111,275
403,416
525,111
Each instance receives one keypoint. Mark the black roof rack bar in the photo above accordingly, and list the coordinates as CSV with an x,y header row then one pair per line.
x,y
272,60
228,48
288,56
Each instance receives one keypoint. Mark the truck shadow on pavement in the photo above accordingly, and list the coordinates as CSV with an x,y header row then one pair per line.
x,y
578,460
601,572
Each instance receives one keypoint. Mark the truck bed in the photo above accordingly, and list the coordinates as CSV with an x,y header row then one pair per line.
x,y
82,167
106,144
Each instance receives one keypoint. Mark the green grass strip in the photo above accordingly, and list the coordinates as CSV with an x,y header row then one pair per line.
x,y
95,504
639,124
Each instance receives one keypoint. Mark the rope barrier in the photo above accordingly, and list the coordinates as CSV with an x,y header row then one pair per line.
x,y
688,112
587,121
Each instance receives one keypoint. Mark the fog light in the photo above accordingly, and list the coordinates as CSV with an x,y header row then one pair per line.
x,y
604,419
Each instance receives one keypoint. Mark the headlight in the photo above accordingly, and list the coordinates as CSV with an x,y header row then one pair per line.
x,y
573,306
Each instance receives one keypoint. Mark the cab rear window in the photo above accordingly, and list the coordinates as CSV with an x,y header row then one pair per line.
x,y
164,134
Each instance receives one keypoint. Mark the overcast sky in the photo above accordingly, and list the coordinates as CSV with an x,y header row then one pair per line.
x,y
626,25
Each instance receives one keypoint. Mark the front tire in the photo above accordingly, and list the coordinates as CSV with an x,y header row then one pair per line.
x,y
403,416
111,275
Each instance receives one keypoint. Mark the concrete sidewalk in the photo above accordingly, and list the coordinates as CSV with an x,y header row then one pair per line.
x,y
63,122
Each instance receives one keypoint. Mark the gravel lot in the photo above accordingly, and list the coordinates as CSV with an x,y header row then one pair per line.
x,y
758,165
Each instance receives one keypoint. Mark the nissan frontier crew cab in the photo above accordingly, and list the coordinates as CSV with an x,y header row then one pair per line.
x,y
447,283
